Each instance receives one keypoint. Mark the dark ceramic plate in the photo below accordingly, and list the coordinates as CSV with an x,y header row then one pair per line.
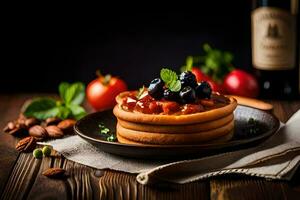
x,y
267,124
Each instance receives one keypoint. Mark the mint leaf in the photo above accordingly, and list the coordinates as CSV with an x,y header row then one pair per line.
x,y
175,86
74,94
171,79
207,48
188,64
41,108
111,138
64,112
227,57
168,75
62,88
103,129
216,63
77,111
106,132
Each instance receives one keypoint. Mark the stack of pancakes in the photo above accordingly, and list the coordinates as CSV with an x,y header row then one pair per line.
x,y
211,126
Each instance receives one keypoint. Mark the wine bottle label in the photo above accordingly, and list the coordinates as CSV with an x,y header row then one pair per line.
x,y
273,39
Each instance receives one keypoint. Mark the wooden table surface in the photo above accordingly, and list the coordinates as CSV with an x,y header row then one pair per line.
x,y
21,178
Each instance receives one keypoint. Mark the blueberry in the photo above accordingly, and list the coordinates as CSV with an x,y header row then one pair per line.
x,y
187,78
203,90
171,96
155,88
187,95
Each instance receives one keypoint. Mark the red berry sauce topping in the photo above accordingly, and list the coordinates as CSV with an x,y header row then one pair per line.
x,y
148,105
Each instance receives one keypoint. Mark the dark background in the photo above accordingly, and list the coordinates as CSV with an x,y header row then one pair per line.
x,y
44,48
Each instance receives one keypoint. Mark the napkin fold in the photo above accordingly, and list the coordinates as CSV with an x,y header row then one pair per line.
x,y
276,158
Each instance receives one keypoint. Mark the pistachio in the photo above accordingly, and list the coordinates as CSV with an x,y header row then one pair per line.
x,y
67,126
38,132
54,132
26,144
55,172
37,153
52,121
46,150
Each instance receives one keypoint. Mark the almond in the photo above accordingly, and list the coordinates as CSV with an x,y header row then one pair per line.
x,y
54,132
26,144
21,116
38,131
21,121
54,172
52,121
29,122
67,126
10,126
18,130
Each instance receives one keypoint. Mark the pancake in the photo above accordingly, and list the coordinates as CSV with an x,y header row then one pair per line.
x,y
209,115
179,138
221,139
190,128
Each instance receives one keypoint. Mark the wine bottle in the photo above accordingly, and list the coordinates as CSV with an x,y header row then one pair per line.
x,y
275,46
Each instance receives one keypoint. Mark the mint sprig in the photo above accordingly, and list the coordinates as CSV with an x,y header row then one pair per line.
x,y
71,96
215,63
171,79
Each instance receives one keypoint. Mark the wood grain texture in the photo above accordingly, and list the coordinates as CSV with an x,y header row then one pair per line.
x,y
21,175
118,185
256,188
250,188
78,183
9,110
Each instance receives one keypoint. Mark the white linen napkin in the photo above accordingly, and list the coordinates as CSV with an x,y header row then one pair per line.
x,y
276,158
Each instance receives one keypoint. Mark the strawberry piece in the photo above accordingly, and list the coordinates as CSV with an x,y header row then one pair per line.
x,y
169,107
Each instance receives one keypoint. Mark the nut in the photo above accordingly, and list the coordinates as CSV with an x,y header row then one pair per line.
x,y
54,132
21,116
37,153
21,121
22,125
29,122
26,144
38,131
55,172
67,126
10,126
18,130
38,139
46,150
52,121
